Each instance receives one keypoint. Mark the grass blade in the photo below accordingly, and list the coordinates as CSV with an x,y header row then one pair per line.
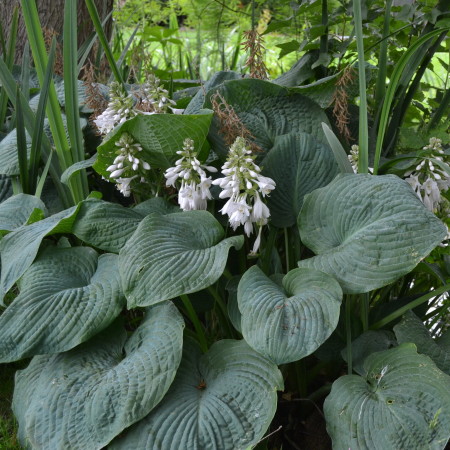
x,y
25,72
390,92
86,46
38,132
71,88
338,151
103,41
363,162
21,144
9,53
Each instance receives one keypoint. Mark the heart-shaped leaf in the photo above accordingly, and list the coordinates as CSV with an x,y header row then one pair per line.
x,y
367,230
412,329
19,248
172,255
224,399
67,296
160,136
16,210
267,110
402,403
288,323
298,163
108,226
82,399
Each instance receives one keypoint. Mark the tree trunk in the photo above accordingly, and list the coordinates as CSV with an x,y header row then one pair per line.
x,y
51,15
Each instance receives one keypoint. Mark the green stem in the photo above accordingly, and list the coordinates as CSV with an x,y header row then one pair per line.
x,y
365,302
286,248
265,266
363,162
418,301
223,313
348,329
196,322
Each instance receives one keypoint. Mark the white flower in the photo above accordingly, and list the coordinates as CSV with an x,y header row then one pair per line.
x,y
127,166
194,191
119,109
244,186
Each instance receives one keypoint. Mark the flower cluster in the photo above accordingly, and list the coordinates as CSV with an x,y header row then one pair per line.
x,y
194,190
120,109
152,97
353,157
243,185
127,166
428,179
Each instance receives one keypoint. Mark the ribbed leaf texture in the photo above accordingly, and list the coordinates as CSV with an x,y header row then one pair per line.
x,y
82,399
67,296
402,403
172,255
367,230
288,322
224,399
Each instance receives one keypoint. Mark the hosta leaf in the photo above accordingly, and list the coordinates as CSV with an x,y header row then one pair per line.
x,y
267,110
402,403
224,399
19,248
108,226
366,344
5,188
16,210
160,135
367,230
412,329
67,296
232,304
298,163
83,398
196,104
288,323
172,255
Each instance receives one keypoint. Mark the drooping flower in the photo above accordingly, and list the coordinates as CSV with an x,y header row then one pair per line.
x,y
152,97
244,186
119,109
194,190
429,180
127,166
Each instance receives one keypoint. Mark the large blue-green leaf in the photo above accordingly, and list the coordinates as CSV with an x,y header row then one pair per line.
x,y
16,210
367,230
224,399
160,136
196,104
412,329
267,110
288,322
298,163
66,296
402,403
19,248
172,255
108,226
83,398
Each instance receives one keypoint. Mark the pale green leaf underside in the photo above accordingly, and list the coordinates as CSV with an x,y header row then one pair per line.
x,y
298,163
67,296
232,411
16,210
160,135
412,329
83,398
367,230
19,248
403,403
290,322
172,255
